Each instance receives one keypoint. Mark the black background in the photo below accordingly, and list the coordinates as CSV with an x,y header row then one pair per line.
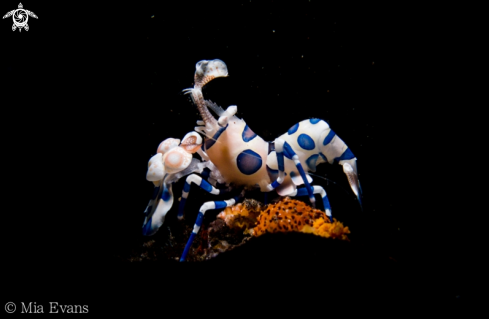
x,y
92,90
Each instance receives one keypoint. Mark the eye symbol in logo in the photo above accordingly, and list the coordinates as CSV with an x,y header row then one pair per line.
x,y
20,17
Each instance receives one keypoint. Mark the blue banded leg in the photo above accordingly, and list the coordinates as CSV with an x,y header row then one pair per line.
x,y
290,153
148,212
207,206
315,190
149,208
202,183
327,207
279,150
155,219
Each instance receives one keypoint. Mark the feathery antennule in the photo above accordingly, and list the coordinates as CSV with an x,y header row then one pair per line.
x,y
214,107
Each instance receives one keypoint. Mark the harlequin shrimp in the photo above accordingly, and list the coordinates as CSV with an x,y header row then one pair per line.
x,y
234,156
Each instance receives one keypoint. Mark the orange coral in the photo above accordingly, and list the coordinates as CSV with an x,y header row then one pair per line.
x,y
242,215
284,216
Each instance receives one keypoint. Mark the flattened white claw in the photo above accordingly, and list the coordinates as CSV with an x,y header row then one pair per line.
x,y
198,138
191,142
176,160
156,170
167,145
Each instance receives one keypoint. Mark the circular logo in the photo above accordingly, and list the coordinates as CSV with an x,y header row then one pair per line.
x,y
10,307
20,18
